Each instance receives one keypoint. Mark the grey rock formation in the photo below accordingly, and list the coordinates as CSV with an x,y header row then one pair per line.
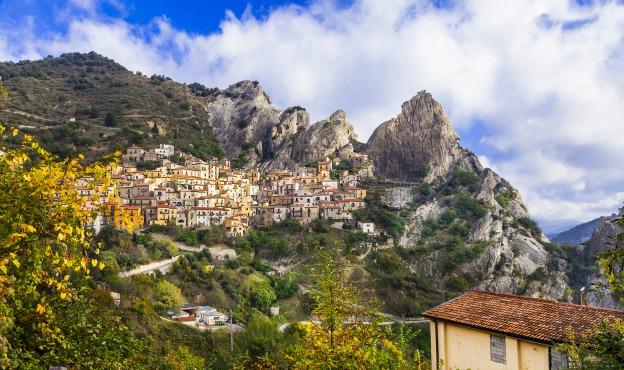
x,y
597,286
332,137
419,142
242,115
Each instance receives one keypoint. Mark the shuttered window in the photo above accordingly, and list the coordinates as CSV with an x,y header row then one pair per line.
x,y
558,360
497,349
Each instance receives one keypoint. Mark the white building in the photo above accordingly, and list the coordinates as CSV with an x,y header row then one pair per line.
x,y
366,227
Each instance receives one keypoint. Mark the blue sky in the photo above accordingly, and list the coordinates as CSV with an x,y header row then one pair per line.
x,y
534,87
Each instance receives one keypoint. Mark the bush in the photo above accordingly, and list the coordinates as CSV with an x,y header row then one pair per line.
x,y
458,284
530,225
459,229
468,207
188,237
286,286
110,120
464,178
262,298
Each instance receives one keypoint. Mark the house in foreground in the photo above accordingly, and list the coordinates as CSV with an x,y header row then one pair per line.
x,y
484,330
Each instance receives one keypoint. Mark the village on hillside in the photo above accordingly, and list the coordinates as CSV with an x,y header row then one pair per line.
x,y
164,186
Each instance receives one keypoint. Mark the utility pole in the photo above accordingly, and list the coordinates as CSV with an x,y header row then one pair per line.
x,y
231,333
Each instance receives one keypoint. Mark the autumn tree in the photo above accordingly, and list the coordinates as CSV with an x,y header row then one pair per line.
x,y
344,331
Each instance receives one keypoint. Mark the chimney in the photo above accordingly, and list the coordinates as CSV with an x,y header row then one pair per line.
x,y
582,297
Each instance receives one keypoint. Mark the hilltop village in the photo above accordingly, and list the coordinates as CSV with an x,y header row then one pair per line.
x,y
164,186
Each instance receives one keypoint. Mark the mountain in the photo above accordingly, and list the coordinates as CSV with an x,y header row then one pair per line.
x,y
592,278
455,225
579,233
466,223
88,103
418,143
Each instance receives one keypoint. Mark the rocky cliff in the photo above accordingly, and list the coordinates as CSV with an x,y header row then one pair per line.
x,y
418,143
460,212
597,286
243,114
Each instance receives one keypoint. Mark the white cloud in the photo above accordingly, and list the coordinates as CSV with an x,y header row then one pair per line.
x,y
545,90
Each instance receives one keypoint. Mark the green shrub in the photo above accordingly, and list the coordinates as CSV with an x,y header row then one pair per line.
x,y
468,207
188,237
286,286
262,298
530,225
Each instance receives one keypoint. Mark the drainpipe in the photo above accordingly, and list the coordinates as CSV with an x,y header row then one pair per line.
x,y
437,345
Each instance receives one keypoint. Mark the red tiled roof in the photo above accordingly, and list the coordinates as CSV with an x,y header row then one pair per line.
x,y
535,319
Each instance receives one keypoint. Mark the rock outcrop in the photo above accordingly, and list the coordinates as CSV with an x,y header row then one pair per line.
x,y
332,137
598,292
242,116
421,145
418,143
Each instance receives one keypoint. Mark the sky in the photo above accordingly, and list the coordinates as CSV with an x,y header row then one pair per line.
x,y
534,87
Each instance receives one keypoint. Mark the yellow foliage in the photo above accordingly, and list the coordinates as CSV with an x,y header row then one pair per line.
x,y
43,221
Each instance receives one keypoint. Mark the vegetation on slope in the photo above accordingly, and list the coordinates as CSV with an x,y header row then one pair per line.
x,y
86,103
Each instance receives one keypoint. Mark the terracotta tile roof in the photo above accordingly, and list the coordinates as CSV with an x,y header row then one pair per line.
x,y
535,319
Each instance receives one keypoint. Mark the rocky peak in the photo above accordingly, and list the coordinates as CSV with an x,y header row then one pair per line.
x,y
419,142
249,90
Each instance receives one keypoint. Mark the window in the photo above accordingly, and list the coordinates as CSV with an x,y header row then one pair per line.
x,y
558,360
497,349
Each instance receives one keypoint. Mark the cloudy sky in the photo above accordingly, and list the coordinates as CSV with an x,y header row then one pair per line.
x,y
534,87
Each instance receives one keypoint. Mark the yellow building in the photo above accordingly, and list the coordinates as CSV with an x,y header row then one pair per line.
x,y
129,218
484,330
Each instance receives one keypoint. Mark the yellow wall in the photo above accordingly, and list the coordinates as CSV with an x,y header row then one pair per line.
x,y
466,348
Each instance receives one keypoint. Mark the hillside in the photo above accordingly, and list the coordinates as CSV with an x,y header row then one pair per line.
x,y
579,233
454,224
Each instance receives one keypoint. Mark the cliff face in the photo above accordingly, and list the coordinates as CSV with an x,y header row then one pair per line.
x,y
597,286
243,114
501,249
418,143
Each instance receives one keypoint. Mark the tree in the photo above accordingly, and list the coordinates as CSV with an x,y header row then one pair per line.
x,y
347,335
603,348
260,337
47,252
168,296
110,120
261,297
286,286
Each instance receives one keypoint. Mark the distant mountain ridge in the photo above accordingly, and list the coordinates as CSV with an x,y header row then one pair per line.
x,y
579,233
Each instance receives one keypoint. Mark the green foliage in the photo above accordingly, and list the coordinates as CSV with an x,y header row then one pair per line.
x,y
468,207
540,274
240,161
602,349
391,222
531,226
110,120
259,338
147,165
203,147
188,237
463,178
459,229
261,297
168,297
458,253
286,286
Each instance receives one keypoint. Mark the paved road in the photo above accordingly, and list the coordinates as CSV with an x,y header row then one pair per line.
x,y
415,320
163,266
180,246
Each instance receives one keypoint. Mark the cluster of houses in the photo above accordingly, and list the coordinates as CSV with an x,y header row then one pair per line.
x,y
189,192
